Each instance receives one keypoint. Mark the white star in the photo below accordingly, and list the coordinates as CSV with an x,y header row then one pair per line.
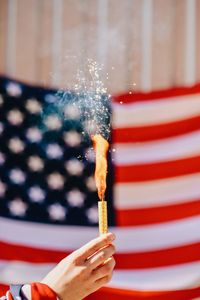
x,y
72,138
2,189
34,135
13,89
90,183
35,163
1,100
90,154
75,198
33,106
16,145
50,98
1,127
36,194
17,176
2,158
53,122
74,167
55,181
17,207
15,117
92,214
71,112
54,151
57,212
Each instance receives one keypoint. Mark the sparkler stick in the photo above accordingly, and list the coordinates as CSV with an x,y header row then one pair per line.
x,y
103,216
101,147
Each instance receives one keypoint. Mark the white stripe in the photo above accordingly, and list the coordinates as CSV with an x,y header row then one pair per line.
x,y
156,112
187,145
165,278
146,36
11,38
57,41
20,272
190,45
157,192
129,239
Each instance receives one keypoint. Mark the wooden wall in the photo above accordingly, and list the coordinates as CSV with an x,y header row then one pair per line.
x,y
143,44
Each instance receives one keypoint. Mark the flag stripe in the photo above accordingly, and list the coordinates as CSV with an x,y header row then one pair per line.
x,y
155,132
162,192
118,294
159,170
152,215
159,95
141,114
129,239
151,152
3,289
158,279
136,260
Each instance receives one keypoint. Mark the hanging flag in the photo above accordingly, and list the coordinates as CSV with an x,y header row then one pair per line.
x,y
48,200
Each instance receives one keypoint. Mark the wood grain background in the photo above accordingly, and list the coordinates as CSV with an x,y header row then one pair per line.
x,y
142,44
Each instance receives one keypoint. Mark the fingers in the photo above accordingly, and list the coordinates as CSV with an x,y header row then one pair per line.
x,y
89,249
101,256
105,270
103,281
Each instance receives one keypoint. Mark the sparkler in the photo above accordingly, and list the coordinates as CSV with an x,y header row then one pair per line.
x,y
101,148
103,217
89,104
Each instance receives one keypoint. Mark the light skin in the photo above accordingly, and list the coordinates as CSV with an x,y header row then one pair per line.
x,y
84,271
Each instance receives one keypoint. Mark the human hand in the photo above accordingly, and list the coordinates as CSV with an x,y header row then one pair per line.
x,y
84,271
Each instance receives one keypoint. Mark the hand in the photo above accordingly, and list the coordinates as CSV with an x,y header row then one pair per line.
x,y
84,271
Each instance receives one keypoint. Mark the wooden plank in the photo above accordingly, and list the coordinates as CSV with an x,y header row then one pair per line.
x,y
163,43
72,42
197,41
180,40
119,40
117,43
44,49
3,34
90,30
27,40
133,48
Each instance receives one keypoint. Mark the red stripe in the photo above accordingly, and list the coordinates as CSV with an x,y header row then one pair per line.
x,y
158,214
120,294
159,258
28,254
137,260
161,170
3,289
155,132
157,95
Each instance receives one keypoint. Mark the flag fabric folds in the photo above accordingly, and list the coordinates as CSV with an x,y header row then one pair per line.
x,y
156,192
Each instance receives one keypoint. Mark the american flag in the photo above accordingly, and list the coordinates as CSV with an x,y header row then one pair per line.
x,y
49,204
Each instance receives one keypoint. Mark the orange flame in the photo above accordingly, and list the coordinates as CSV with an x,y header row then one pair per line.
x,y
101,147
